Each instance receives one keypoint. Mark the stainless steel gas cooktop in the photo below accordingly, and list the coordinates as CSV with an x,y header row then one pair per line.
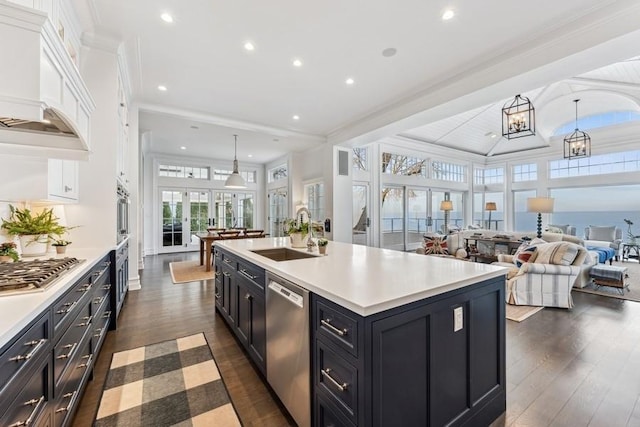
x,y
33,276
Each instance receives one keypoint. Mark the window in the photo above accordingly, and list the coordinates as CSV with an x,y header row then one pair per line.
x,y
315,200
222,175
360,159
174,171
626,161
279,172
489,176
524,220
526,172
448,171
396,164
481,216
597,121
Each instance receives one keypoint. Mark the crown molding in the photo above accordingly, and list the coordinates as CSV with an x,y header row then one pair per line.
x,y
99,41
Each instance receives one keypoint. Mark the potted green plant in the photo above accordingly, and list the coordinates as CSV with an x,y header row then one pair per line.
x,y
34,230
60,245
8,252
322,245
298,232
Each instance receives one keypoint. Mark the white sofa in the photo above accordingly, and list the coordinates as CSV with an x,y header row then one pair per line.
x,y
456,247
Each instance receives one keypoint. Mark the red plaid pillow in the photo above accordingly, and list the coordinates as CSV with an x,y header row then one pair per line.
x,y
435,245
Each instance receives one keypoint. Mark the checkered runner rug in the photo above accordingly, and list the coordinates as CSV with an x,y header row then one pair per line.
x,y
172,383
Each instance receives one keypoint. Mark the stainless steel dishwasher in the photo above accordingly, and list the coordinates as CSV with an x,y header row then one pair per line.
x,y
288,341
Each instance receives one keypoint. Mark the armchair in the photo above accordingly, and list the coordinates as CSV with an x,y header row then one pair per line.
x,y
548,279
604,237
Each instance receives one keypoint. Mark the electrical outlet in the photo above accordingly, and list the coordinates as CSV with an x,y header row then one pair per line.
x,y
458,319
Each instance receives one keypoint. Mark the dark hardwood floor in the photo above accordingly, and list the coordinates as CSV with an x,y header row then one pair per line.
x,y
578,367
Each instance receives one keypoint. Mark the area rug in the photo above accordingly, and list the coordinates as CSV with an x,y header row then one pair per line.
x,y
518,313
608,291
189,271
172,383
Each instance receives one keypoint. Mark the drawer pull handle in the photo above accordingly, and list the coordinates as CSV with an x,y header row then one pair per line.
x,y
84,288
72,401
217,274
98,300
327,323
106,314
325,373
218,296
107,287
38,403
33,351
226,261
98,332
225,274
87,321
247,275
248,297
87,363
69,306
71,348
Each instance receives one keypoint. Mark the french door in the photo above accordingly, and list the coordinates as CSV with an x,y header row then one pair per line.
x,y
360,231
277,211
184,213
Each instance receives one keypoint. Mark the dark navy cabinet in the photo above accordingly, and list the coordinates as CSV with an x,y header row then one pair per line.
x,y
45,368
120,272
413,365
240,299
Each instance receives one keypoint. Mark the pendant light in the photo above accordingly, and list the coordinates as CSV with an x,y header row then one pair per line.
x,y
235,180
518,118
578,144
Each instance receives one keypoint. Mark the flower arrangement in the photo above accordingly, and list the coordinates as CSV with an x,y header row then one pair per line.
x,y
293,225
9,249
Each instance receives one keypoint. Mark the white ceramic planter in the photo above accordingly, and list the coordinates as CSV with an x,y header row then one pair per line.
x,y
299,240
34,245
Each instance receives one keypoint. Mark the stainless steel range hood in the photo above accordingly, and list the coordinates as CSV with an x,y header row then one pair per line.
x,y
55,133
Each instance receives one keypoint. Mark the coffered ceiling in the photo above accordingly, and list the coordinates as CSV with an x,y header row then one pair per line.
x,y
214,83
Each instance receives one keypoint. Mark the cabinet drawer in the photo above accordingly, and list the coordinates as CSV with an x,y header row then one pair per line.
x,y
65,350
68,398
23,352
66,308
254,274
337,379
32,401
100,325
336,326
327,415
229,261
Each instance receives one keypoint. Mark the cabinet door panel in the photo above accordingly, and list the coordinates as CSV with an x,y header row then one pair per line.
x,y
258,338
243,315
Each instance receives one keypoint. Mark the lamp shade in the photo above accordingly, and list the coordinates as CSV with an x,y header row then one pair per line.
x,y
540,204
446,205
490,206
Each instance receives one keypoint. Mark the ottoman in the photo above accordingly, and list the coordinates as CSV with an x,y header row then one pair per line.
x,y
609,275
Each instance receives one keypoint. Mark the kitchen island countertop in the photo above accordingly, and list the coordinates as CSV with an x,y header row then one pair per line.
x,y
367,280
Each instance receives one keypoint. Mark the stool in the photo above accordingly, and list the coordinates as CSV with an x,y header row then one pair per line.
x,y
609,275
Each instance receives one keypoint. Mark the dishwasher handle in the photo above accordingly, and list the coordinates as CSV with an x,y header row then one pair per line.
x,y
286,293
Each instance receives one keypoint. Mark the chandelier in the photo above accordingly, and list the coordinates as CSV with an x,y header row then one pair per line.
x,y
578,144
518,118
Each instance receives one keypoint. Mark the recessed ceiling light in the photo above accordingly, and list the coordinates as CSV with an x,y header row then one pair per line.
x,y
166,17
297,62
162,88
194,127
349,81
490,134
249,46
249,155
183,148
493,135
448,14
389,52
296,117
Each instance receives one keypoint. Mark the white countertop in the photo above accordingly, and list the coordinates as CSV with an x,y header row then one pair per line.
x,y
18,310
364,279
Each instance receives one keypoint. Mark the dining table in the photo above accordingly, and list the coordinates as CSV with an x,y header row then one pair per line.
x,y
206,242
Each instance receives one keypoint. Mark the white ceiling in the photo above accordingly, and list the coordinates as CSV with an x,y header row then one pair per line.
x,y
222,88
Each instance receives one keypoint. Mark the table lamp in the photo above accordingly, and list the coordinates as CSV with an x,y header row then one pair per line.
x,y
446,206
491,206
540,205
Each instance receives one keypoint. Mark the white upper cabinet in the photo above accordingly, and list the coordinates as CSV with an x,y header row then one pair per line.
x,y
42,82
35,178
122,159
63,180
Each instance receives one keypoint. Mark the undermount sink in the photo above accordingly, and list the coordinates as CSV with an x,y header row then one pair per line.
x,y
283,254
